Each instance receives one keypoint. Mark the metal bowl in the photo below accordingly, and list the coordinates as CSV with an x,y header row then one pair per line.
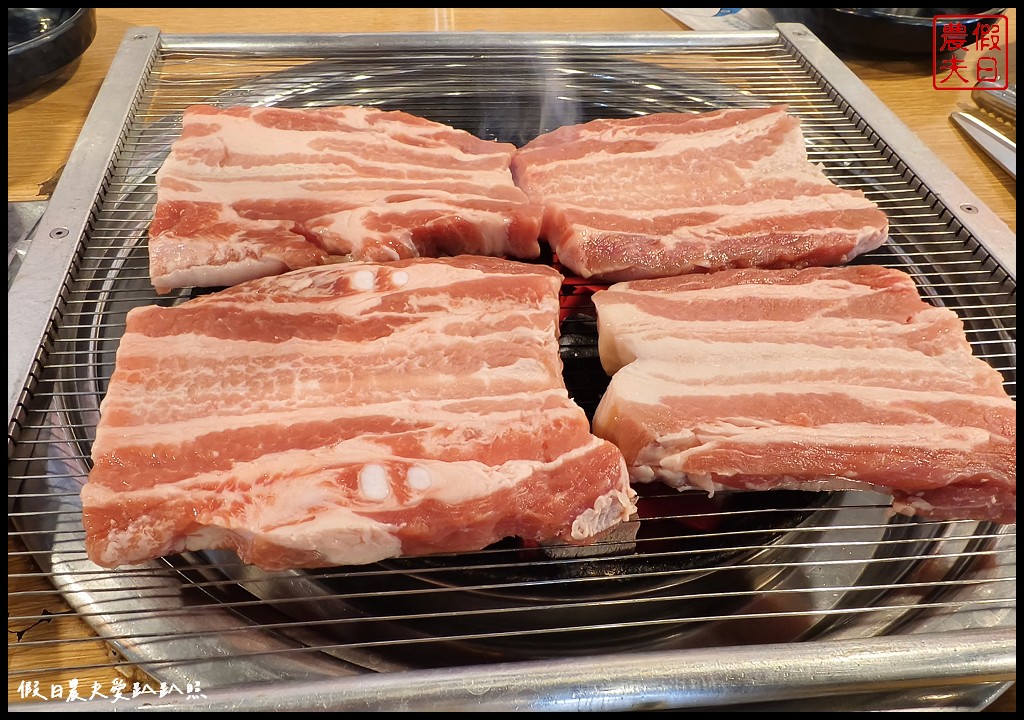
x,y
44,44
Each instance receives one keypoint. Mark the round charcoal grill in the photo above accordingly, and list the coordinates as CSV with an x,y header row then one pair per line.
x,y
701,573
514,602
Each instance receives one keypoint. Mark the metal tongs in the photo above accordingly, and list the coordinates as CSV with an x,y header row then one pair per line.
x,y
1002,103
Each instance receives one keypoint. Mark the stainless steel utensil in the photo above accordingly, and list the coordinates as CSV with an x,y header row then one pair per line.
x,y
993,97
996,145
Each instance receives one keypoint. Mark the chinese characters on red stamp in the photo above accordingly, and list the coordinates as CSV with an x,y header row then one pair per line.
x,y
967,49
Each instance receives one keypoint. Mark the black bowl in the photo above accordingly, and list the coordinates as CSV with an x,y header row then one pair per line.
x,y
878,32
43,44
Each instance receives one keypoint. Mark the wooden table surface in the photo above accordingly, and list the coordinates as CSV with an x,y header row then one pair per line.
x,y
43,128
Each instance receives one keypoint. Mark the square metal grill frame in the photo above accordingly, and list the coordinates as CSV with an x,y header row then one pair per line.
x,y
717,676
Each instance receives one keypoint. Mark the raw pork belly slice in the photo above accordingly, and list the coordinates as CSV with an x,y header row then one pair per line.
x,y
806,379
345,414
673,193
248,192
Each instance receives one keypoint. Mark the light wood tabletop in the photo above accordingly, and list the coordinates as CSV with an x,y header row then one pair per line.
x,y
43,127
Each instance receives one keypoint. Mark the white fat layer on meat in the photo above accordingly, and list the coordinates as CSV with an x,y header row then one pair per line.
x,y
669,456
457,185
637,330
425,329
294,181
364,280
251,137
964,441
411,357
442,417
320,282
313,388
428,331
424,326
356,540
349,540
351,231
430,317
672,143
288,486
699,247
620,310
916,505
313,392
248,137
195,249
640,383
630,333
143,538
206,538
697,481
397,343
881,384
788,160
304,510
418,478
644,200
912,505
609,510
374,483
735,215
299,480
702,243
193,271
924,435
400,278
824,295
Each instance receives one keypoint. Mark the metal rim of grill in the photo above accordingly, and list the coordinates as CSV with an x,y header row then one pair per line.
x,y
793,572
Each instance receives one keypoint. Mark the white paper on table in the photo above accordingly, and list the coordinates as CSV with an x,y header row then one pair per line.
x,y
723,19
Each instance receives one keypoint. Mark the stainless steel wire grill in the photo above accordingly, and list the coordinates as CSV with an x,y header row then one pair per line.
x,y
786,576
